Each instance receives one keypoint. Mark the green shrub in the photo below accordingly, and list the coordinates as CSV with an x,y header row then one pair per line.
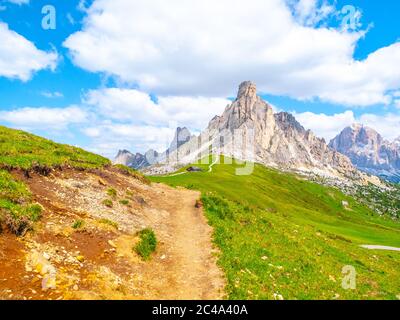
x,y
124,202
108,203
16,211
129,194
147,243
112,192
13,190
78,224
109,222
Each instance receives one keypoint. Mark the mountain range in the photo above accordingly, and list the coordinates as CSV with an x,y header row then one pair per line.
x,y
249,129
369,151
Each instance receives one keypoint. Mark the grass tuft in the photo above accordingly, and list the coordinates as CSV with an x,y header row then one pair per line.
x,y
78,224
147,243
108,203
109,222
124,202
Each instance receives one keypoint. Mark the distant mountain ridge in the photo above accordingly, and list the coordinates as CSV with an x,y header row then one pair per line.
x,y
140,161
276,140
129,159
369,151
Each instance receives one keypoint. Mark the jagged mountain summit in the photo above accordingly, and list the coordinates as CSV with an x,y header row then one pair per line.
x,y
182,135
249,130
369,152
140,161
131,160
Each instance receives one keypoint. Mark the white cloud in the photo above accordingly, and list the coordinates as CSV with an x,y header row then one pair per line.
x,y
19,58
387,125
51,95
129,105
325,126
130,119
328,126
107,139
44,118
206,48
309,13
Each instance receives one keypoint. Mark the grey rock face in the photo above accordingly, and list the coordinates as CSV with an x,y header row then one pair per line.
x,y
136,161
140,161
276,139
182,135
369,152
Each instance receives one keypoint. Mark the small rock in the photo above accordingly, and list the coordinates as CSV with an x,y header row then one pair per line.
x,y
336,296
264,258
112,244
278,296
76,287
163,257
46,256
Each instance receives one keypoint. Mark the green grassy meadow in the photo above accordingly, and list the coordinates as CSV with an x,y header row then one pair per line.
x,y
283,237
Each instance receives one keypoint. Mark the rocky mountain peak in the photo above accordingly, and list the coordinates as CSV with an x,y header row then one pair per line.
x,y
123,152
288,122
182,135
247,89
369,151
276,140
357,135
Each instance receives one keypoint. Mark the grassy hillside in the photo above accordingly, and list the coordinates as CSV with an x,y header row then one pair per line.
x,y
21,150
281,236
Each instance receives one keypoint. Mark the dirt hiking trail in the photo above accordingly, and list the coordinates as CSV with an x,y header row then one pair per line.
x,y
97,261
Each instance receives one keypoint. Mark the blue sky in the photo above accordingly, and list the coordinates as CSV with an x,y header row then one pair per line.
x,y
122,75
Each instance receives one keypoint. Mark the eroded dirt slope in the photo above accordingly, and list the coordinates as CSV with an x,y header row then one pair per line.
x,y
97,261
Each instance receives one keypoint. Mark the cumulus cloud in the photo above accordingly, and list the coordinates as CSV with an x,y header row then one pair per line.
x,y
309,13
206,48
131,119
19,58
108,138
130,105
44,118
328,126
387,125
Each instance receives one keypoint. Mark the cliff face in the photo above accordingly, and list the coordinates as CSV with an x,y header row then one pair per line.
x,y
248,129
129,159
369,152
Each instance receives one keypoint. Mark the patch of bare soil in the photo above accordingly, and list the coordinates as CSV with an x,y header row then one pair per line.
x,y
97,261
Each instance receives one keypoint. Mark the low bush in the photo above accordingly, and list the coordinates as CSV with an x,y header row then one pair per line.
x,y
147,243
